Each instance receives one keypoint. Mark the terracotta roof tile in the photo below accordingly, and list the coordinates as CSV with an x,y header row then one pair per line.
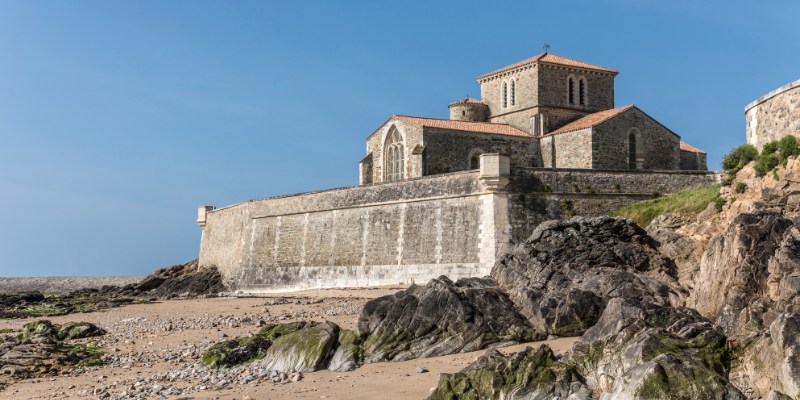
x,y
591,120
552,59
467,126
687,147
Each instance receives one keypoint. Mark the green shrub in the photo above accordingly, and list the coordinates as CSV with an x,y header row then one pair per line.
x,y
766,162
788,147
740,187
718,203
739,157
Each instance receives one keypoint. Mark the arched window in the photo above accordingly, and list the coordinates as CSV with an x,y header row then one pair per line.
x,y
393,156
513,92
475,158
582,91
571,90
505,94
635,159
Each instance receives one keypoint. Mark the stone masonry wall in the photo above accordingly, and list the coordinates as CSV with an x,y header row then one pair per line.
x,y
774,115
541,194
691,161
572,149
409,231
527,94
359,236
449,151
553,88
660,147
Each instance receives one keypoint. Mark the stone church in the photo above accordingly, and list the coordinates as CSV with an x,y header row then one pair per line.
x,y
547,111
449,196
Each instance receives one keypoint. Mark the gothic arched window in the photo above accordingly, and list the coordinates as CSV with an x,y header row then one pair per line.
x,y
393,156
571,90
513,92
505,94
582,91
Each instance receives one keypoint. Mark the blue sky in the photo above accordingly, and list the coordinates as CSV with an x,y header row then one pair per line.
x,y
118,118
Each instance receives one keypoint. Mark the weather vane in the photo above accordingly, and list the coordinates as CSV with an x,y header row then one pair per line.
x,y
546,47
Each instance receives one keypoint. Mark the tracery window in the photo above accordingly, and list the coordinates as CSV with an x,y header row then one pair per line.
x,y
394,156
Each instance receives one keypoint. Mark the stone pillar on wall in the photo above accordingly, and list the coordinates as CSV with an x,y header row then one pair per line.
x,y
495,227
202,215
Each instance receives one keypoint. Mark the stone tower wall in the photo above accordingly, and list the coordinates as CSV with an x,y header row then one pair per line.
x,y
527,97
469,112
774,115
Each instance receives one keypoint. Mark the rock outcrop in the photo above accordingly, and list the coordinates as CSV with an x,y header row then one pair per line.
x,y
43,347
301,346
440,318
563,275
641,350
533,374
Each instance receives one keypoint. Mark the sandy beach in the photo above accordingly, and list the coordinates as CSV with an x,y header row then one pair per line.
x,y
147,342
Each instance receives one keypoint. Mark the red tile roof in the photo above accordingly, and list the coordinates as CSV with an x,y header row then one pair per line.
x,y
687,147
591,120
552,59
467,126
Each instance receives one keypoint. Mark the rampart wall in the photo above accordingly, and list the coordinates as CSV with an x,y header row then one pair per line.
x,y
410,231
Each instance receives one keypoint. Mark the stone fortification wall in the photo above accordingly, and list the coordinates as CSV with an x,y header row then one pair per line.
x,y
567,150
454,224
359,236
539,194
774,115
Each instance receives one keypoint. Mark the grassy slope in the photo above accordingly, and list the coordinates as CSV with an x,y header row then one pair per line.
x,y
689,201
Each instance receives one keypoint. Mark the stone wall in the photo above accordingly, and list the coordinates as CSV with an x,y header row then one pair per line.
x,y
692,161
660,147
409,231
537,195
527,95
774,115
360,236
567,150
450,151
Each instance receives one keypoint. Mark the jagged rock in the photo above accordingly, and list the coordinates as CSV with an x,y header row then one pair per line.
x,y
305,350
749,274
645,348
440,318
348,354
771,362
15,299
533,374
666,377
182,280
78,330
563,275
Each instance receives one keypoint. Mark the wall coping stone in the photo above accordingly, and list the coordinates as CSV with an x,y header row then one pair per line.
x,y
782,89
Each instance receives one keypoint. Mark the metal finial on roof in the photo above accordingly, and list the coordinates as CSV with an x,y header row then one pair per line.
x,y
546,47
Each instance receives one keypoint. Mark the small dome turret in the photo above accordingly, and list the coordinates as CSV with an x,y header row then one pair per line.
x,y
468,109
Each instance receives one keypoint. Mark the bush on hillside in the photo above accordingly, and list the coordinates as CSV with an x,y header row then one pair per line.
x,y
775,153
739,157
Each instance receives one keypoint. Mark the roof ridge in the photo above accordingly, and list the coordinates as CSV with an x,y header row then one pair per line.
x,y
559,60
587,121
